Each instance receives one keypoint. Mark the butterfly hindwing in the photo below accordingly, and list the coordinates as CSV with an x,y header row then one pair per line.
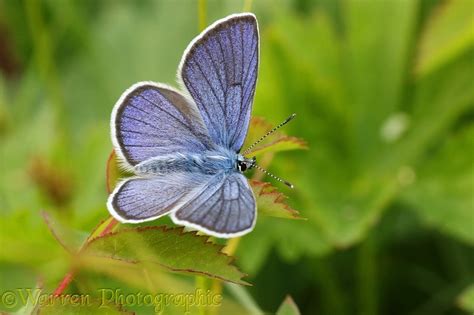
x,y
224,207
219,70
140,199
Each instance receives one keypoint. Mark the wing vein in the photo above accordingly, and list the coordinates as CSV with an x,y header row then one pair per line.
x,y
205,109
215,69
223,59
244,92
164,111
215,95
143,122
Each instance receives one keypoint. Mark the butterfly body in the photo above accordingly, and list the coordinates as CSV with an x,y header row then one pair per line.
x,y
207,163
183,145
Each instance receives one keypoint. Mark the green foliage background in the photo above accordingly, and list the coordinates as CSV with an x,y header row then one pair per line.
x,y
384,96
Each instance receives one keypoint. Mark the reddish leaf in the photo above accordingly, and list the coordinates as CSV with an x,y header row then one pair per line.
x,y
275,142
271,202
112,172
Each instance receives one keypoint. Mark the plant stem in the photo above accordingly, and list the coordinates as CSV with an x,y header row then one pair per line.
x,y
231,246
247,5
202,14
367,276
216,285
64,283
70,275
202,284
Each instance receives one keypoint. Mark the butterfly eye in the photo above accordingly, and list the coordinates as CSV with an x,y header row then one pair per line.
x,y
242,166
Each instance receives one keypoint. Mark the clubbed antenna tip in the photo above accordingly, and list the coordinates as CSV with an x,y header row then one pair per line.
x,y
289,184
273,176
288,119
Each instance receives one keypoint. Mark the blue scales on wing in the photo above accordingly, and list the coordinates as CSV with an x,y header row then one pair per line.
x,y
224,206
219,71
139,199
153,120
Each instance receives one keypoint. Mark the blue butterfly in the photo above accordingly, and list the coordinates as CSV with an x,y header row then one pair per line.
x,y
183,147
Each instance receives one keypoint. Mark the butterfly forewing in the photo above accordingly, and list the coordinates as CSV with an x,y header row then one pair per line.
x,y
219,70
153,120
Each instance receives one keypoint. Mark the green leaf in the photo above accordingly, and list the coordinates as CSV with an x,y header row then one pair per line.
x,y
144,275
441,193
245,299
466,299
170,248
288,307
378,42
69,239
448,32
271,202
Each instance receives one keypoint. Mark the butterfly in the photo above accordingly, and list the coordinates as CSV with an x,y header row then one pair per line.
x,y
184,146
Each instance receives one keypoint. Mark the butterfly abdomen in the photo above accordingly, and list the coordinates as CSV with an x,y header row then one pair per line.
x,y
210,162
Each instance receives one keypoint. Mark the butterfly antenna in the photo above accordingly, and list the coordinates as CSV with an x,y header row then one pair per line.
x,y
269,133
273,176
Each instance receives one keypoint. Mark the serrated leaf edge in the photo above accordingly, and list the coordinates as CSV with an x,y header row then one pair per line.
x,y
178,231
279,197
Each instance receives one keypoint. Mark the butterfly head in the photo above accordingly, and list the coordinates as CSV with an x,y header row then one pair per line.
x,y
244,163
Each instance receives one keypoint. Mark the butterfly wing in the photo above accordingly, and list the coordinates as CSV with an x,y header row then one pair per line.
x,y
153,119
224,207
140,199
219,70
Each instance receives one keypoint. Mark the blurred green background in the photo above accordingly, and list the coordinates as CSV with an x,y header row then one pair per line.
x,y
384,96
